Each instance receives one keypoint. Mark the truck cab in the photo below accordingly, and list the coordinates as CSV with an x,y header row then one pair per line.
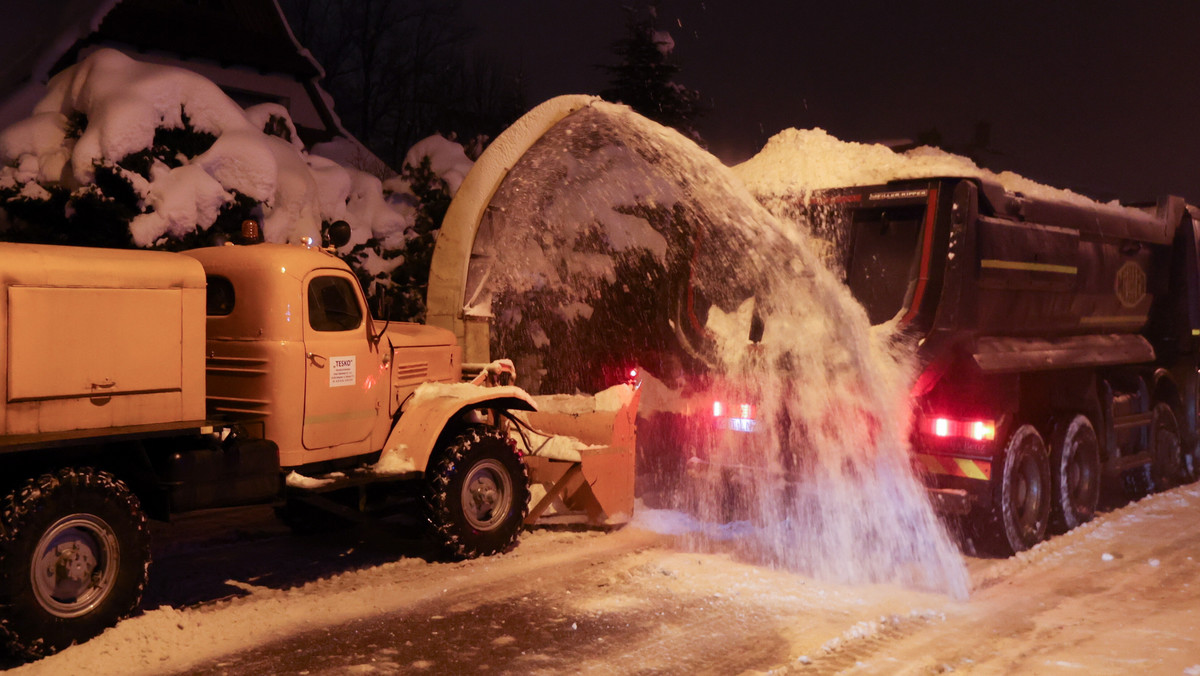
x,y
292,347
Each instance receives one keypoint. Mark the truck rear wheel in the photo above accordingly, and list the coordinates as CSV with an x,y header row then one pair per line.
x,y
1021,508
1075,472
1168,467
478,494
74,555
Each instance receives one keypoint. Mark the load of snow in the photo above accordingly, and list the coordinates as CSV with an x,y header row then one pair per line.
x,y
124,103
552,446
796,162
614,398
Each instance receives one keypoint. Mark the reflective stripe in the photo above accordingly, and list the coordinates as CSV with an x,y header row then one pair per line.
x,y
970,469
1115,319
961,467
995,264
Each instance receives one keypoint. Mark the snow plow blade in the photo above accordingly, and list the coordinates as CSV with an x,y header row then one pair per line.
x,y
580,457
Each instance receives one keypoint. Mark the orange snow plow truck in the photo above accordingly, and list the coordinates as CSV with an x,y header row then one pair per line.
x,y
142,383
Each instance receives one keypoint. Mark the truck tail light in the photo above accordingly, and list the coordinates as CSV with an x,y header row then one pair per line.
x,y
740,416
976,430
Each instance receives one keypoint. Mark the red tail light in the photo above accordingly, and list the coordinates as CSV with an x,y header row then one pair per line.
x,y
976,430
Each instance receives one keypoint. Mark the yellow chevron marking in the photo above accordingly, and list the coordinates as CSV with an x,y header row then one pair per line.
x,y
970,469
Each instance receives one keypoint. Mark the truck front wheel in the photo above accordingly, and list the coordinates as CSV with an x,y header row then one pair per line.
x,y
74,554
478,494
1075,469
1022,505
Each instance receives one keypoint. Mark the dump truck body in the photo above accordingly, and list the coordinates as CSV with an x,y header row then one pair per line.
x,y
1057,341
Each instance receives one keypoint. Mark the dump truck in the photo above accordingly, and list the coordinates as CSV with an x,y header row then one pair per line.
x,y
145,384
1058,342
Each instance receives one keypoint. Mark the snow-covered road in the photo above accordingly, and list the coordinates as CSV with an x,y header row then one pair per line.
x,y
1120,595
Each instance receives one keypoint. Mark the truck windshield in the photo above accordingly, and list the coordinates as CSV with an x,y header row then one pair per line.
x,y
882,257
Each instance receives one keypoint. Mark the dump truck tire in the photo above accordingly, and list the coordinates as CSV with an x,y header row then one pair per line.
x,y
74,555
478,494
1169,466
1021,508
1075,472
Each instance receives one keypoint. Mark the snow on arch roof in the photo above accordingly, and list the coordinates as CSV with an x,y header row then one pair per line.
x,y
452,254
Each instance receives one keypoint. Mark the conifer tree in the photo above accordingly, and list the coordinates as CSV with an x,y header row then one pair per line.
x,y
643,80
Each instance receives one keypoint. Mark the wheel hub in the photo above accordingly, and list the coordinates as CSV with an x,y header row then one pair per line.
x,y
74,565
486,495
1028,494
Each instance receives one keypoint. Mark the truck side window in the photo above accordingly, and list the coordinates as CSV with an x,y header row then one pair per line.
x,y
219,298
333,304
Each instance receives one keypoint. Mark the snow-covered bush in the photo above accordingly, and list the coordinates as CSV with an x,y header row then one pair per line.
x,y
128,154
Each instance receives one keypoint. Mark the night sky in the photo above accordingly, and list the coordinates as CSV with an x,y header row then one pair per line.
x,y
1101,97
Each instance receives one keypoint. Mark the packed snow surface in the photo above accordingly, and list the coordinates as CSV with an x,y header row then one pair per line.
x,y
1090,601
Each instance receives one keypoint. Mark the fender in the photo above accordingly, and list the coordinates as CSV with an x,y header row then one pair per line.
x,y
434,405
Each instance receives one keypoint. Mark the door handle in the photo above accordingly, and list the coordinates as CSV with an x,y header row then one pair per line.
x,y
313,357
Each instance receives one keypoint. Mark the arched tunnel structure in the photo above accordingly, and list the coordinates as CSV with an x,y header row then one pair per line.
x,y
588,239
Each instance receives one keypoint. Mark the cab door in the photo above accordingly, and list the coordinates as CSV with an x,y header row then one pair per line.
x,y
340,401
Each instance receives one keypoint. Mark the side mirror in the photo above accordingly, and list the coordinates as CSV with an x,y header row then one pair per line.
x,y
338,234
385,311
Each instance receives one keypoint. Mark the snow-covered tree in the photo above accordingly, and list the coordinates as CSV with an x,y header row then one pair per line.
x,y
644,78
122,153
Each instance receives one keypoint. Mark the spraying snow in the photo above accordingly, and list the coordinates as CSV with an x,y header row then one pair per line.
x,y
607,201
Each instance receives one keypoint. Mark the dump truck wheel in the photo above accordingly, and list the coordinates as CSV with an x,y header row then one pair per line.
x,y
1191,464
1075,472
1168,466
478,494
1021,510
74,556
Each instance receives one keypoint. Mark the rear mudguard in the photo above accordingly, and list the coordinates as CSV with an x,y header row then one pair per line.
x,y
434,406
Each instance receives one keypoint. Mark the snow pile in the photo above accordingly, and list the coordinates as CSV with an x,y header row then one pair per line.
x,y
394,461
447,159
797,161
113,113
612,399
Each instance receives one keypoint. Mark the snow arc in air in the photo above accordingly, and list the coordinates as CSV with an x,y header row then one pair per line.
x,y
615,240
